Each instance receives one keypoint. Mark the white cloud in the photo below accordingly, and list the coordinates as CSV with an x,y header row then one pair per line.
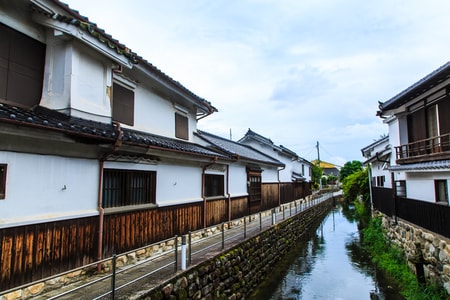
x,y
295,71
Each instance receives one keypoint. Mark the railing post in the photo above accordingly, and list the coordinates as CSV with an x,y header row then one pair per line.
x,y
245,227
183,252
223,236
113,277
190,248
260,221
176,253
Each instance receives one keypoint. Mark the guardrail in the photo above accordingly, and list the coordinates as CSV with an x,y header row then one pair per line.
x,y
192,248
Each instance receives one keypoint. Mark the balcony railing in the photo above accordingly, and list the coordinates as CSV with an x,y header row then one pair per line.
x,y
430,149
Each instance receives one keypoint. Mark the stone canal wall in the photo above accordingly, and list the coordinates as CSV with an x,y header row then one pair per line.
x,y
235,273
428,254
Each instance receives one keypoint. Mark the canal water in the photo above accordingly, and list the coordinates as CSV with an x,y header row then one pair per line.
x,y
327,263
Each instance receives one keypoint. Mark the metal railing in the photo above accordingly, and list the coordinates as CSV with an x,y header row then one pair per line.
x,y
207,243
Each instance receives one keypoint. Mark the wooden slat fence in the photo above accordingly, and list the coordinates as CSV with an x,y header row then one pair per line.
x,y
429,215
32,252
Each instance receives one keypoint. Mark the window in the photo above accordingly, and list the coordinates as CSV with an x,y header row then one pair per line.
x,y
181,127
214,185
400,188
254,186
380,180
2,181
126,187
22,61
123,105
441,190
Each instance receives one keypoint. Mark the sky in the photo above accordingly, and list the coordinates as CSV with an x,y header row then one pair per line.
x,y
297,72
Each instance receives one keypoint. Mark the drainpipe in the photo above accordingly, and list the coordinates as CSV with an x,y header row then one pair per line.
x,y
369,174
203,189
101,215
101,211
228,192
279,184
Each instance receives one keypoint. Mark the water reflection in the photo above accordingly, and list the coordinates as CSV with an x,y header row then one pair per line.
x,y
327,263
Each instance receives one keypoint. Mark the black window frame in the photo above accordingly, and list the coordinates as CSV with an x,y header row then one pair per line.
x,y
214,185
439,197
3,173
123,104
400,188
22,63
128,188
181,126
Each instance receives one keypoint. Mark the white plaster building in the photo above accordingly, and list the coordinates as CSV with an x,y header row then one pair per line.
x,y
296,168
378,157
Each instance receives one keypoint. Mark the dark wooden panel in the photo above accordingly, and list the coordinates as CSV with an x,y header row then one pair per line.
x,y
32,252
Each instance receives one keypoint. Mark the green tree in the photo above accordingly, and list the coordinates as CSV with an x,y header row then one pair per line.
x,y
357,184
349,168
316,176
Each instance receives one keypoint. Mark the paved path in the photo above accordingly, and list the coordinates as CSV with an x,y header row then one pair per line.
x,y
146,274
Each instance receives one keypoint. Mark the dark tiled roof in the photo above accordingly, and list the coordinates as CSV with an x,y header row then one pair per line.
x,y
156,141
74,18
257,137
261,139
238,150
426,83
423,166
41,117
44,118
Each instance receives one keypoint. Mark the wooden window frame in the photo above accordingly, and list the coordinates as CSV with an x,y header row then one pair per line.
x,y
123,104
128,188
400,188
22,63
214,185
3,170
441,184
181,126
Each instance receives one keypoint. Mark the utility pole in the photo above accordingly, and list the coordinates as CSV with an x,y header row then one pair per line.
x,y
318,162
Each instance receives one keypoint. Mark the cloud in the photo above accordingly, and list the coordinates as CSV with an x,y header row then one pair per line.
x,y
297,72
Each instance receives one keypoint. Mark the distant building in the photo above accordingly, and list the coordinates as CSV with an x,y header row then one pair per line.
x,y
378,155
328,168
296,167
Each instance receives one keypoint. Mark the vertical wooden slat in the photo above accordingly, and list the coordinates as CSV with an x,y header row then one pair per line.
x,y
6,257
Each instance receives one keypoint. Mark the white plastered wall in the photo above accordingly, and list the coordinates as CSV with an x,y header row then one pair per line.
x,y
44,187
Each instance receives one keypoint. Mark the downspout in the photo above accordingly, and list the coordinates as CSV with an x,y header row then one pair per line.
x,y
228,192
101,215
203,189
279,184
369,174
101,211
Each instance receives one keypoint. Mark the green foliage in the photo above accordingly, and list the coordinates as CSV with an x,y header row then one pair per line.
x,y
391,260
316,176
357,184
332,179
349,168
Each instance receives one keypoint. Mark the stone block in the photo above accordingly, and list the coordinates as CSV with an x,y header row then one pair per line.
x,y
35,289
13,295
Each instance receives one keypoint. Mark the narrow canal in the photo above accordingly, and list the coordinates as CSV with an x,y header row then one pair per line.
x,y
328,263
